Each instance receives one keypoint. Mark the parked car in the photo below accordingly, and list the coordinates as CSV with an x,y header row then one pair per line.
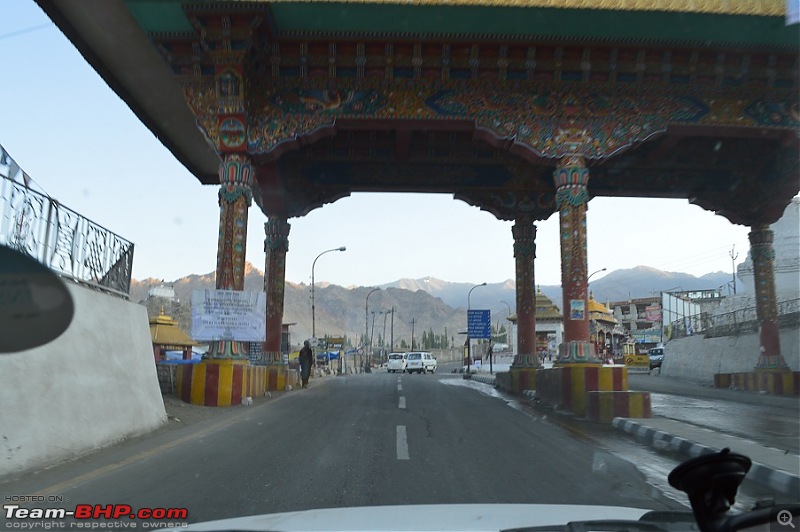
x,y
656,357
396,362
421,362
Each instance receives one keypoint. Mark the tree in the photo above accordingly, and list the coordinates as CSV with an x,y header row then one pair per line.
x,y
403,344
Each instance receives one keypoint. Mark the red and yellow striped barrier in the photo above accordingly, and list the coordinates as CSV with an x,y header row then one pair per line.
x,y
220,382
566,386
225,382
522,379
775,382
577,379
278,377
605,406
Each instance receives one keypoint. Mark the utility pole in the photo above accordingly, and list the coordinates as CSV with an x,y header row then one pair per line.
x,y
413,320
391,342
733,267
383,338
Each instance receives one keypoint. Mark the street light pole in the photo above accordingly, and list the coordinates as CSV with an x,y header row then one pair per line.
x,y
592,320
313,310
590,275
391,341
469,342
366,318
383,338
372,332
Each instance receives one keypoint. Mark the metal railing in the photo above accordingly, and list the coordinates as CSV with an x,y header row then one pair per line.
x,y
740,321
62,239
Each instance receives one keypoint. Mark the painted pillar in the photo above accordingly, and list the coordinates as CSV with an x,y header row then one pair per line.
x,y
763,255
571,179
276,245
524,232
235,195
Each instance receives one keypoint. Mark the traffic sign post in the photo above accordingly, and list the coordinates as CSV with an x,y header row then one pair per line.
x,y
479,323
478,326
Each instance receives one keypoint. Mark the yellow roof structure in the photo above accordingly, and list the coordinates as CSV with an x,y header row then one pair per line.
x,y
600,312
546,310
164,331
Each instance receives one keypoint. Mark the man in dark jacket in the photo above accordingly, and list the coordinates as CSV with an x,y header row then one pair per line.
x,y
306,359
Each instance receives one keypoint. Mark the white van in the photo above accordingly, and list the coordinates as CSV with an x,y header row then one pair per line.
x,y
421,362
396,362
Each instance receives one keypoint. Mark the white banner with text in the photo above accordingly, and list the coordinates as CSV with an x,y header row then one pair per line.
x,y
229,315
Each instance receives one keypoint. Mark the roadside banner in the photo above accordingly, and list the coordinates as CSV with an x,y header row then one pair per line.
x,y
229,315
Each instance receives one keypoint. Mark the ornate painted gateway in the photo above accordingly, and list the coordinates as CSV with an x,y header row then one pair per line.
x,y
523,108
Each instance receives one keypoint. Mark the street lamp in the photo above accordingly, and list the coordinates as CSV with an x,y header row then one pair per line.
x,y
590,275
313,317
592,320
366,318
469,346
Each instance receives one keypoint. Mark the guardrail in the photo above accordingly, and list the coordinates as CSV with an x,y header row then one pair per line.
x,y
740,321
63,240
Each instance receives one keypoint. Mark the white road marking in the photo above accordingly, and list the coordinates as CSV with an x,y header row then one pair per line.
x,y
399,387
402,402
402,443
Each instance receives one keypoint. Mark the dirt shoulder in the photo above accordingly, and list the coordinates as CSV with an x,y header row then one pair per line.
x,y
181,414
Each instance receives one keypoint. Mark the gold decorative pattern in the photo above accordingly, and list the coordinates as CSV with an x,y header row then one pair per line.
x,y
721,7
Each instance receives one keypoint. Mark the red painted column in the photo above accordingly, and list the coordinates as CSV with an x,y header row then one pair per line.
x,y
524,232
236,177
763,255
571,178
276,245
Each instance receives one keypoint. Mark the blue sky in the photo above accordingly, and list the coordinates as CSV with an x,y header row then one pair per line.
x,y
83,146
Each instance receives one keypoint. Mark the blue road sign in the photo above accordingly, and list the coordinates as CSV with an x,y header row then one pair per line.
x,y
479,323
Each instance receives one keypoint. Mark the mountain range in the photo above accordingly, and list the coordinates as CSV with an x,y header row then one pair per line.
x,y
427,304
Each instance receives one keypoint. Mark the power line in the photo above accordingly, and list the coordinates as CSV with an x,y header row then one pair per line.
x,y
24,31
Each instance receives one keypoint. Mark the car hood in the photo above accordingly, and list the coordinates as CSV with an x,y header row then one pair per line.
x,y
466,517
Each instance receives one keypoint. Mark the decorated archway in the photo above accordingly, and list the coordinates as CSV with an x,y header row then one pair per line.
x,y
523,109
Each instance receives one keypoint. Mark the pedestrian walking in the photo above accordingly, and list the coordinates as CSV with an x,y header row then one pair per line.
x,y
306,359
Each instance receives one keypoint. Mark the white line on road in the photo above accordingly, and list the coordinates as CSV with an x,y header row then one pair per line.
x,y
399,387
402,443
402,402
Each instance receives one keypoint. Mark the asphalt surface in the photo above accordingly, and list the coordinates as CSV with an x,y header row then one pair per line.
x,y
369,439
691,419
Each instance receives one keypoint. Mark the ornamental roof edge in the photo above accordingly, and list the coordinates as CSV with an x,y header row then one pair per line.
x,y
717,7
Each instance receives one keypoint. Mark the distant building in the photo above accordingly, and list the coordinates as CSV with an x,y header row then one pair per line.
x,y
163,291
652,320
604,329
637,313
549,325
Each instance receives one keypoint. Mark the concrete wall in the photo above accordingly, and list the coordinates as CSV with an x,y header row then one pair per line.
x,y
697,359
93,386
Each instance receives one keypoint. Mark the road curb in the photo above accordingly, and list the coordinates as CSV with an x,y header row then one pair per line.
x,y
486,379
770,477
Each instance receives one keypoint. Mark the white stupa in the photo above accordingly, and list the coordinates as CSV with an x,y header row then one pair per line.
x,y
786,244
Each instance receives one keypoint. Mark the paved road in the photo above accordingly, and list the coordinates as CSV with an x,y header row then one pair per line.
x,y
770,420
370,439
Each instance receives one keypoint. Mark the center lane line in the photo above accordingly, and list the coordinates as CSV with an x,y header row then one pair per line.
x,y
402,443
402,403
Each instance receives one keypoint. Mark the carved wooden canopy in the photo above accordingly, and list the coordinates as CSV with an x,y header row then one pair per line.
x,y
695,100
